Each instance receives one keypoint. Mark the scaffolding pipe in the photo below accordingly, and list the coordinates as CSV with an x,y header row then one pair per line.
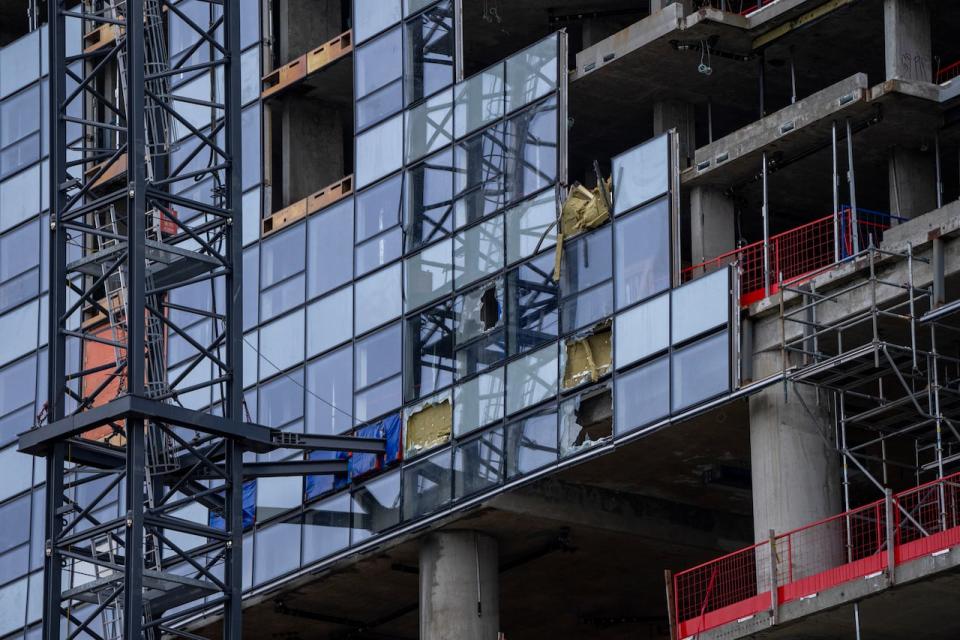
x,y
766,231
852,183
836,196
936,150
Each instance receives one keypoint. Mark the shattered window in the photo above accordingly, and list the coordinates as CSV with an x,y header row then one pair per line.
x,y
427,485
428,200
429,126
531,443
701,370
428,52
587,261
532,73
531,226
480,164
376,506
478,464
478,251
479,100
532,379
641,174
427,424
478,402
429,274
585,420
429,349
644,330
533,307
643,395
643,253
480,332
532,144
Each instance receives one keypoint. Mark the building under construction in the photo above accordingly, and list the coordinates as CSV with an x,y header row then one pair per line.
x,y
479,319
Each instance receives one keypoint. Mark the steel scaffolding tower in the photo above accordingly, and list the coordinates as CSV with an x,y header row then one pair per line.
x,y
126,242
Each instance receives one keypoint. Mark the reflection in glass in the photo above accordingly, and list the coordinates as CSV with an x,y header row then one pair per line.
x,y
532,378
376,506
373,16
533,308
532,149
531,443
379,151
531,226
429,351
281,400
710,296
643,395
377,357
480,335
326,527
478,402
378,399
330,392
379,298
428,200
701,370
480,164
426,485
479,100
330,242
277,549
428,52
429,274
378,251
641,174
643,253
478,251
532,73
378,208
644,330
329,321
378,105
478,464
429,126
586,308
586,262
282,255
281,343
378,63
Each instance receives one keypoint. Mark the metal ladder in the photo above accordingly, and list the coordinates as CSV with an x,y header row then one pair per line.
x,y
115,285
103,548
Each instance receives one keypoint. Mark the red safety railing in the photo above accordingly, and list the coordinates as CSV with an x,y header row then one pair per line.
x,y
948,72
819,556
800,253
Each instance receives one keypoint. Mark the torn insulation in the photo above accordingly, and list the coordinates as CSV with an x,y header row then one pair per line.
x,y
583,210
587,357
428,425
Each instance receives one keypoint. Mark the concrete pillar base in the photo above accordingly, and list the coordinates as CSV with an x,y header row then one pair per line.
x,y
459,586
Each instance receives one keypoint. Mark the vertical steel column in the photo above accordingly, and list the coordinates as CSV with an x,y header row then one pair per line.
x,y
837,248
133,557
53,521
136,199
852,182
766,231
233,566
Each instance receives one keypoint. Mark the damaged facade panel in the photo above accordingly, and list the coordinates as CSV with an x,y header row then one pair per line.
x,y
427,425
587,357
584,209
586,420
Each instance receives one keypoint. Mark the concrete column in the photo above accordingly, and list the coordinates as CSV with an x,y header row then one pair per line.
x,y
794,461
712,223
657,5
312,146
907,42
459,587
913,182
305,25
674,114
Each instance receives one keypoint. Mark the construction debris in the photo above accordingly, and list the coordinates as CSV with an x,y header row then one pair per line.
x,y
582,210
588,357
428,425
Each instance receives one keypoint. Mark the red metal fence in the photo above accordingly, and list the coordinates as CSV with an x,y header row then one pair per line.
x,y
818,556
948,72
801,252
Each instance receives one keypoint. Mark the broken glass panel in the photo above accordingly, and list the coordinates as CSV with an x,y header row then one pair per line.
x,y
532,379
643,253
585,420
427,485
478,464
478,251
478,402
701,370
531,443
428,52
532,149
641,174
429,274
428,200
533,307
532,73
480,335
643,395
429,351
479,100
531,226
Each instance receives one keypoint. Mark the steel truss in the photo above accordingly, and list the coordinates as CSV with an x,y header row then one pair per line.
x,y
877,350
127,243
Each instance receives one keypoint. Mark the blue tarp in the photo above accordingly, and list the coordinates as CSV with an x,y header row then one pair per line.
x,y
215,520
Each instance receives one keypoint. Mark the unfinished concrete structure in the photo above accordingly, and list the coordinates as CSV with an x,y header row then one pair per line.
x,y
612,408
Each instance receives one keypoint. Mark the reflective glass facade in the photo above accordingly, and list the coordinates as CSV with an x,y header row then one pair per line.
x,y
432,307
